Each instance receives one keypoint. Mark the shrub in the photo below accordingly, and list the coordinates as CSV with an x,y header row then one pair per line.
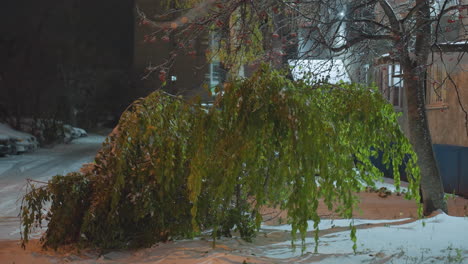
x,y
172,168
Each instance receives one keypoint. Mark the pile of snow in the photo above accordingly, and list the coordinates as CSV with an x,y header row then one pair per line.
x,y
332,71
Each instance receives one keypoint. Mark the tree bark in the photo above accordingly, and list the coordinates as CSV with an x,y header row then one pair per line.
x,y
420,138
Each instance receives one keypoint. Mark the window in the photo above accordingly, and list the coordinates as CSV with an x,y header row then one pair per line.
x,y
389,78
437,85
214,76
391,84
381,80
395,85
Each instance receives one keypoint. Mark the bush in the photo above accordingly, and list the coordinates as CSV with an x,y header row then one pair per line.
x,y
172,168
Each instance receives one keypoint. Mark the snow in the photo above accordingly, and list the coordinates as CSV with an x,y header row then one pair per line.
x,y
385,183
438,238
464,42
333,70
7,130
331,223
40,165
389,186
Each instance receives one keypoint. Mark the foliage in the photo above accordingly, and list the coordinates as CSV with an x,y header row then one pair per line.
x,y
243,32
172,168
71,190
359,33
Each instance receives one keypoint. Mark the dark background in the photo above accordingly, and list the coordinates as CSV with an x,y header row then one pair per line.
x,y
79,61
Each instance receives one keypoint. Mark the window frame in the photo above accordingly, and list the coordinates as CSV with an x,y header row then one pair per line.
x,y
436,88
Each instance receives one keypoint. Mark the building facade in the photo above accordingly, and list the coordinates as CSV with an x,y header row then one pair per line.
x,y
446,96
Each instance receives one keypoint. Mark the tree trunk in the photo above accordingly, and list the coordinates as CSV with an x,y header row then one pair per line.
x,y
414,71
420,138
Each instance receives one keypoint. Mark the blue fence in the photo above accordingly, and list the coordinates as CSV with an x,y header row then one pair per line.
x,y
453,167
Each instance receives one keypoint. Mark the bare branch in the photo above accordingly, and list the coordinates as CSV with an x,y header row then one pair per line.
x,y
370,21
36,181
448,9
363,5
413,11
359,39
394,23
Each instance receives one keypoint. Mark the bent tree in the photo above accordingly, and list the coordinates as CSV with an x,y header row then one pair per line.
x,y
173,168
356,32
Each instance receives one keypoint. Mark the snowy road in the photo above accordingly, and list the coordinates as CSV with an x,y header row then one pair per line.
x,y
40,165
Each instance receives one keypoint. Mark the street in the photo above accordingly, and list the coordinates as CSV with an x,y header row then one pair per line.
x,y
40,165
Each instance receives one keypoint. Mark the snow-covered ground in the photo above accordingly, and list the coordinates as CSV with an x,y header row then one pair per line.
x,y
438,239
40,165
441,239
388,184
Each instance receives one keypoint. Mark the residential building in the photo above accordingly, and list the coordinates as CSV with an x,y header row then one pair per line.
x,y
446,95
